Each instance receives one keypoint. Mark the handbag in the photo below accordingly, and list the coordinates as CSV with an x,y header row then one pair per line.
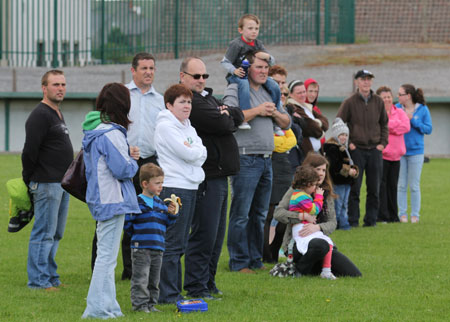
x,y
74,180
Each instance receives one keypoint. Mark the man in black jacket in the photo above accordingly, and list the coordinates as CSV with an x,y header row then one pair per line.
x,y
215,124
46,155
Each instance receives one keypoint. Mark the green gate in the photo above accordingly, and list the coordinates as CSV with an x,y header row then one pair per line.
x,y
81,32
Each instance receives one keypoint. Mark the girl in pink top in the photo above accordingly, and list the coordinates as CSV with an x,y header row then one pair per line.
x,y
398,125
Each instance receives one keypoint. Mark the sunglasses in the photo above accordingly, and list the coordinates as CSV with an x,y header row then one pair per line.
x,y
285,94
197,76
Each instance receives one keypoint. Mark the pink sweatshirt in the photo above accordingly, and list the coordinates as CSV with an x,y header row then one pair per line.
x,y
398,125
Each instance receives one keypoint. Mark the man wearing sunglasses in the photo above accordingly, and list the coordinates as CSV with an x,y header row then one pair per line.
x,y
253,184
215,123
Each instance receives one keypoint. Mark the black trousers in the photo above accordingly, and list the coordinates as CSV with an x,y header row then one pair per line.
x,y
369,162
311,262
388,192
126,239
271,251
206,237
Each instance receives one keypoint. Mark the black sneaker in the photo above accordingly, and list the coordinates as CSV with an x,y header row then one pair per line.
x,y
216,291
205,296
153,309
126,276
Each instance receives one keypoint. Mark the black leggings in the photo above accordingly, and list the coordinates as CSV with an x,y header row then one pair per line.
x,y
311,262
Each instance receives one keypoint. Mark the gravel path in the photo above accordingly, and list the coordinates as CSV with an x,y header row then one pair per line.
x,y
424,65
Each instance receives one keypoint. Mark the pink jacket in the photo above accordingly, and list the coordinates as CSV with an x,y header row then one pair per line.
x,y
398,125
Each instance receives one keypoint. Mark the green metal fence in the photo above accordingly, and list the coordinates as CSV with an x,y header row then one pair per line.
x,y
79,32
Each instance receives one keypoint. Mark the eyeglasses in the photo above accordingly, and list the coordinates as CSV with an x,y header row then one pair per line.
x,y
285,94
197,76
402,94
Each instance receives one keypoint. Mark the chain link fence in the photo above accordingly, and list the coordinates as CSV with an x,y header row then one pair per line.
x,y
403,21
80,32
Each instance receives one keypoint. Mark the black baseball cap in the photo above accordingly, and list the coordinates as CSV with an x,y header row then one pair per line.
x,y
363,73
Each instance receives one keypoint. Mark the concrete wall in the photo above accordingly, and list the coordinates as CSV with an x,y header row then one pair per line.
x,y
74,112
436,145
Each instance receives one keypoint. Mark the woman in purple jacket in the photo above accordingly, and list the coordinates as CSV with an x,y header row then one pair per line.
x,y
398,125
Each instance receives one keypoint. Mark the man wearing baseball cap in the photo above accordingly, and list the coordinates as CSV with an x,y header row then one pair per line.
x,y
367,120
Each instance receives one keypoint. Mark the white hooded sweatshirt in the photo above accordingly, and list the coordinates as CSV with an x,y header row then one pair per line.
x,y
180,152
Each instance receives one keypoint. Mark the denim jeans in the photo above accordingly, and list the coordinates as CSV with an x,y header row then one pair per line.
x,y
177,236
51,204
244,91
410,171
145,278
341,205
101,299
251,189
206,237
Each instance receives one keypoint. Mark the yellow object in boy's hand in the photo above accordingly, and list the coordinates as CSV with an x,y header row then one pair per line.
x,y
175,201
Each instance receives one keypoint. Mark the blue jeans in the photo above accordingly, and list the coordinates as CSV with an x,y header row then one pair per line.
x,y
177,235
410,171
341,205
251,189
206,237
244,91
51,204
101,299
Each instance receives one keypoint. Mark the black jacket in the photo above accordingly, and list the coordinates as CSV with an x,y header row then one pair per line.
x,y
339,163
216,131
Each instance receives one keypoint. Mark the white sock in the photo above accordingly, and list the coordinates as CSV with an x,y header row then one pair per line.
x,y
326,270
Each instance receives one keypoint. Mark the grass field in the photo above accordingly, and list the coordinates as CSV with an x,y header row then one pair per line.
x,y
405,272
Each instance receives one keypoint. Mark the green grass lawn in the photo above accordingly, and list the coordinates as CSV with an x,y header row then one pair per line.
x,y
405,271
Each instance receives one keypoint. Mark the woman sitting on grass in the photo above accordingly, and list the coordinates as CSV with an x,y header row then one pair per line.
x,y
307,200
311,262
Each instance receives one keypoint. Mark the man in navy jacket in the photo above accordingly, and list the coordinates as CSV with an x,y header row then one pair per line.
x,y
215,124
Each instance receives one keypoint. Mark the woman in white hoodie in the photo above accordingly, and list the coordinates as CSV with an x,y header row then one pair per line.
x,y
180,154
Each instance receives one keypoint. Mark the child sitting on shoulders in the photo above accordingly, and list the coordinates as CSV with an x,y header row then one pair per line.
x,y
342,170
248,27
305,185
147,231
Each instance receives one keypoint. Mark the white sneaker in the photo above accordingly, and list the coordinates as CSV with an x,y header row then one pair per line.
x,y
245,126
328,276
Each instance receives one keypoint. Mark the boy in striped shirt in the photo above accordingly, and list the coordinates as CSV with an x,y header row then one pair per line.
x,y
147,231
